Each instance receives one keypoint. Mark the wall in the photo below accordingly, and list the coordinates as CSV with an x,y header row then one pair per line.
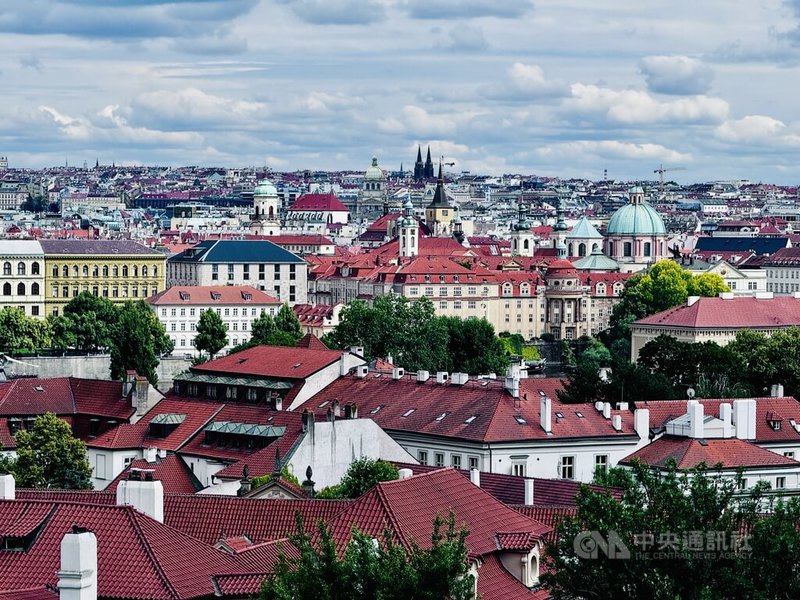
x,y
99,367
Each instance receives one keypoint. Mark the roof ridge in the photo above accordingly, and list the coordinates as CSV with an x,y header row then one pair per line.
x,y
132,515
396,528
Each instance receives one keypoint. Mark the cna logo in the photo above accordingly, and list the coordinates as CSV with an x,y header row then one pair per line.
x,y
593,544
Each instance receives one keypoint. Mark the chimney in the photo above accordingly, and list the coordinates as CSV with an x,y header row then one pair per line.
x,y
598,406
442,377
616,422
357,350
8,487
398,373
277,402
641,423
150,454
140,397
622,406
308,420
512,385
337,411
459,378
546,410
77,577
423,376
529,492
350,411
696,428
145,494
362,371
725,415
606,410
127,383
343,364
744,417
692,299
404,473
475,477
331,415
389,359
777,390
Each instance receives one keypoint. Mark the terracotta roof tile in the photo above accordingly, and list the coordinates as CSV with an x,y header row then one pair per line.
x,y
732,313
193,295
272,361
496,583
171,471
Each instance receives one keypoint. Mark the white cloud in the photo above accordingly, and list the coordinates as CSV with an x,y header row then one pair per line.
x,y
418,120
614,149
637,107
760,130
191,107
679,75
337,12
464,38
455,9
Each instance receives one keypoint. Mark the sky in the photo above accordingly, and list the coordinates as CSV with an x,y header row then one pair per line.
x,y
558,88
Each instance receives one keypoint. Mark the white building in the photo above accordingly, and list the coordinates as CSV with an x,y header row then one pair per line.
x,y
260,263
179,309
22,263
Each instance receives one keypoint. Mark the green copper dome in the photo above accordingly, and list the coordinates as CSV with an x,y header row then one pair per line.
x,y
265,188
636,218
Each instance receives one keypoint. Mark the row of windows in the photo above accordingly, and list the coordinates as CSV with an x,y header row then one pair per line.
x,y
235,326
473,462
96,270
21,268
231,272
21,289
115,291
173,312
183,342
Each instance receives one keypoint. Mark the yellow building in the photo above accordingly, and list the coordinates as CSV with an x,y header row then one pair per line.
x,y
119,270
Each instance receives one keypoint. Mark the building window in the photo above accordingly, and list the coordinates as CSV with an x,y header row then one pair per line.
x,y
35,268
600,463
230,272
246,272
439,458
422,457
6,289
144,271
474,462
647,250
292,272
35,311
627,249
214,272
567,467
65,271
115,271
20,289
518,468
105,271
780,483
455,461
292,293
789,454
6,268
261,273
21,268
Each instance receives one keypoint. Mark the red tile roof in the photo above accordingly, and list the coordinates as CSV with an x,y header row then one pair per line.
x,y
479,410
496,583
190,295
730,453
731,313
322,202
311,341
171,471
408,507
64,396
662,411
272,361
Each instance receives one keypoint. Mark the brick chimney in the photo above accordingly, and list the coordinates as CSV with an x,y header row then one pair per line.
x,y
77,577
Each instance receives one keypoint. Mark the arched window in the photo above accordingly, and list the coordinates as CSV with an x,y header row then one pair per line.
x,y
135,271
144,271
35,268
525,245
125,271
105,271
74,270
20,289
65,271
95,271
155,271
6,289
570,250
6,268
85,270
581,249
34,289
594,247
21,268
115,271
647,249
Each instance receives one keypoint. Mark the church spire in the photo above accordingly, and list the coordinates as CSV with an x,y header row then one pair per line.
x,y
429,165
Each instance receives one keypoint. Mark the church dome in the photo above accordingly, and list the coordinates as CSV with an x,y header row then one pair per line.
x,y
373,172
636,218
265,188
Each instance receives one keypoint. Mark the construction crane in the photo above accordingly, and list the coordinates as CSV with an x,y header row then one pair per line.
x,y
661,170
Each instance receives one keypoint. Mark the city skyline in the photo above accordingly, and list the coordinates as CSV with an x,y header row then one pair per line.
x,y
552,88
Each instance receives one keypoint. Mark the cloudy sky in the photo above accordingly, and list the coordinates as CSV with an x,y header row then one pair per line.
x,y
553,87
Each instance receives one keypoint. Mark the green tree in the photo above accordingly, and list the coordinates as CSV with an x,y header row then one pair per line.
x,y
89,323
673,504
362,475
34,203
287,322
139,339
665,285
50,457
473,347
212,335
263,328
366,570
18,332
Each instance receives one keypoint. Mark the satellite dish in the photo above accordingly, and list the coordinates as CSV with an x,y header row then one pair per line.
x,y
690,393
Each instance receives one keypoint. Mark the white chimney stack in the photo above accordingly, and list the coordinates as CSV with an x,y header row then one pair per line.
x,y
423,376
145,495
546,410
404,473
607,410
512,385
641,423
398,373
77,577
8,487
696,429
475,477
744,417
529,492
726,415
616,422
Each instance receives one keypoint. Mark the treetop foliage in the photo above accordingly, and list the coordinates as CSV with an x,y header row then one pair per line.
x,y
362,475
283,329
